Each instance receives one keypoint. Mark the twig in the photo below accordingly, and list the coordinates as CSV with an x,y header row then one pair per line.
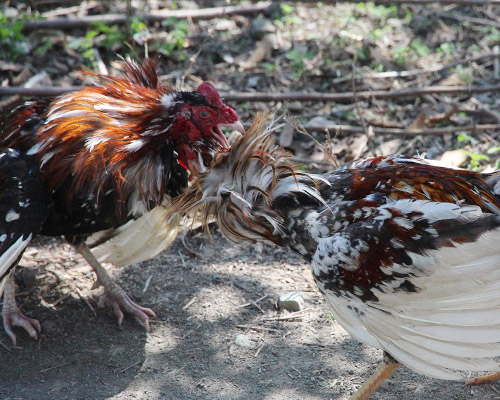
x,y
419,2
189,303
413,72
259,349
345,97
130,366
86,301
346,129
203,13
5,346
146,285
69,10
253,302
285,318
257,328
56,367
465,18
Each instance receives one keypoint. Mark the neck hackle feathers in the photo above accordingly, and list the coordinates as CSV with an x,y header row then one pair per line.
x,y
242,183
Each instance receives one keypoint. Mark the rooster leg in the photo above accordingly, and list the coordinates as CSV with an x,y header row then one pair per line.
x,y
114,295
383,372
484,379
12,316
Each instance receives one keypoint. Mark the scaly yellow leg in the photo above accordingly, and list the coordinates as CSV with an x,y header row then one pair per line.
x,y
383,372
484,379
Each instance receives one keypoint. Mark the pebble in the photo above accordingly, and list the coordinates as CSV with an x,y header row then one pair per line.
x,y
244,341
291,301
260,27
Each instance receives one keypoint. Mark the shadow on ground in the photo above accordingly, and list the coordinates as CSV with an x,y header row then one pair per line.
x,y
192,351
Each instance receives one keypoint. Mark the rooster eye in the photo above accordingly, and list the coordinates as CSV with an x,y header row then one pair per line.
x,y
204,114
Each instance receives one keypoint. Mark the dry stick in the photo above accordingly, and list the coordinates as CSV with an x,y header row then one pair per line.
x,y
418,2
413,72
346,129
464,18
345,97
69,10
203,13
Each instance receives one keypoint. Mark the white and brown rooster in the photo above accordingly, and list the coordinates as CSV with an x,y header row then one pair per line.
x,y
405,252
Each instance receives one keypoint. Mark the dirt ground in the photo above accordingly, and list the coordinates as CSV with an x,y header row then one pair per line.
x,y
194,349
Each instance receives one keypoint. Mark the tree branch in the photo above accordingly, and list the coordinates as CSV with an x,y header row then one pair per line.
x,y
418,2
345,97
414,72
348,129
202,13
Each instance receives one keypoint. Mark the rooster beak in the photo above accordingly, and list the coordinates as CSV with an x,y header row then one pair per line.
x,y
237,126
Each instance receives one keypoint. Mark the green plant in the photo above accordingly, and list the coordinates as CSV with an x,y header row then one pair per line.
x,y
178,30
108,37
475,160
464,138
382,13
13,43
447,48
288,17
297,62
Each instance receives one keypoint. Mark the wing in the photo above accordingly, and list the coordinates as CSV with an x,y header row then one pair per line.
x,y
418,279
137,240
400,177
24,206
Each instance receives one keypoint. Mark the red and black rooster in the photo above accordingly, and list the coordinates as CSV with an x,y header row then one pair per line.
x,y
405,252
103,160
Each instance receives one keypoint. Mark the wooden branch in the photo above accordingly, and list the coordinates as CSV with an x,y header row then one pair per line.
x,y
202,13
345,97
348,129
465,18
418,2
414,72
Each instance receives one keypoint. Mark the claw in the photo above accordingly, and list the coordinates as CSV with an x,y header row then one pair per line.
x,y
12,316
114,295
118,299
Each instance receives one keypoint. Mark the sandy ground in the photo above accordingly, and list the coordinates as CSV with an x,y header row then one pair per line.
x,y
194,349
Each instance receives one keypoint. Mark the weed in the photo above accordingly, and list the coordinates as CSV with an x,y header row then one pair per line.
x,y
475,160
13,43
178,30
297,62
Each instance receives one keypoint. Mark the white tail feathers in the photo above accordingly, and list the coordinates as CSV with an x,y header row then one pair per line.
x,y
137,240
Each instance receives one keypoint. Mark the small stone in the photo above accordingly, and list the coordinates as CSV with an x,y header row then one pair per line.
x,y
291,301
244,341
260,27
253,81
228,58
319,121
225,25
454,158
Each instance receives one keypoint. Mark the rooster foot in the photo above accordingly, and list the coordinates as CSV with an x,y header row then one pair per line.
x,y
116,297
484,379
12,316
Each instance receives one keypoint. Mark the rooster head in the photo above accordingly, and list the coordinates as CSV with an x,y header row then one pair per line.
x,y
196,129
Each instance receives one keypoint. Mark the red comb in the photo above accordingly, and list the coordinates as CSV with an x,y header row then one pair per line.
x,y
208,90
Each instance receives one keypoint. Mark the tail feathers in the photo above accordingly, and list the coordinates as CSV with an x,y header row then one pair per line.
x,y
137,240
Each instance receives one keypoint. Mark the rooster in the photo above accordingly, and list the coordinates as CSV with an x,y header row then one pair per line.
x,y
405,252
103,164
